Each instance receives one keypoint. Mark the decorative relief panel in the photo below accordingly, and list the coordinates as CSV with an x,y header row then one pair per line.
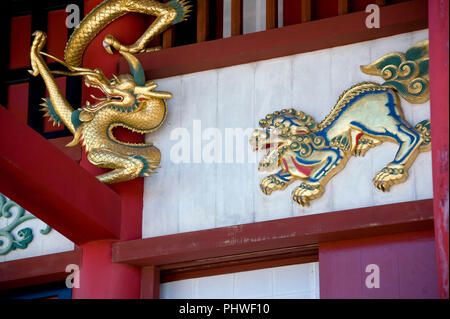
x,y
12,219
364,116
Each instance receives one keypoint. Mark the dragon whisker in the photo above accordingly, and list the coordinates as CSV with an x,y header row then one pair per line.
x,y
99,98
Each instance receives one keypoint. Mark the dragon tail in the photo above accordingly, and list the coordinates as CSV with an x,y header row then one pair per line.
x,y
407,72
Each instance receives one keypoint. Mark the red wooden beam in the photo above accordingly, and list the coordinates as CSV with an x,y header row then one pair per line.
x,y
241,240
439,99
294,39
239,266
37,270
46,182
73,152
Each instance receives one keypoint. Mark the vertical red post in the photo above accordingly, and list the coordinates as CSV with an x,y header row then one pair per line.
x,y
102,279
237,24
439,99
150,279
99,277
202,20
271,14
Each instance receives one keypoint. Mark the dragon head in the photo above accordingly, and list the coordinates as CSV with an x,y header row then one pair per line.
x,y
124,91
278,131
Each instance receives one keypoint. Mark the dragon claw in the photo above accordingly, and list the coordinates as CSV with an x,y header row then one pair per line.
x,y
107,47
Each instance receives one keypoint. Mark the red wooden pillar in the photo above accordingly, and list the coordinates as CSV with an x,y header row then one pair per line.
x,y
438,30
99,277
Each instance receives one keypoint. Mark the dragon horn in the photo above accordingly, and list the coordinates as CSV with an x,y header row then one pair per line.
x,y
135,67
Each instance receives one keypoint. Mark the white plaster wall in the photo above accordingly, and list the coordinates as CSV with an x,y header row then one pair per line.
x,y
286,282
194,196
41,244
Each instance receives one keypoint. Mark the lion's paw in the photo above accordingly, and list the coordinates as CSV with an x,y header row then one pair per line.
x,y
306,192
388,176
272,183
365,144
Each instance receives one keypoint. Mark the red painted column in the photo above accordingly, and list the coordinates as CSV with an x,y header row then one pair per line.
x,y
99,277
439,99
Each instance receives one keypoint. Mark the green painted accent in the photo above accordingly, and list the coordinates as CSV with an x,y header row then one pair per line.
x,y
51,111
180,11
403,89
76,118
138,74
125,109
390,60
16,216
146,167
424,68
416,52
46,230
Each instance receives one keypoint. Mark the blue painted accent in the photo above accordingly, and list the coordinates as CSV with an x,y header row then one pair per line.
x,y
39,292
322,172
303,161
401,126
283,177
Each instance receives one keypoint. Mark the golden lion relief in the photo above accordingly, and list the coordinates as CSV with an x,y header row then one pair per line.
x,y
364,116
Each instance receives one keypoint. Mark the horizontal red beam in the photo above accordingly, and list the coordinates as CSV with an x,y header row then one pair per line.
x,y
304,37
242,240
37,270
50,185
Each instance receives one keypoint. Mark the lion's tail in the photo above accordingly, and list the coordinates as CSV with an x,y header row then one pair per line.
x,y
407,72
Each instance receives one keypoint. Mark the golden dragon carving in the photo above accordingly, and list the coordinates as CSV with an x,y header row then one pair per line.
x,y
364,116
129,100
